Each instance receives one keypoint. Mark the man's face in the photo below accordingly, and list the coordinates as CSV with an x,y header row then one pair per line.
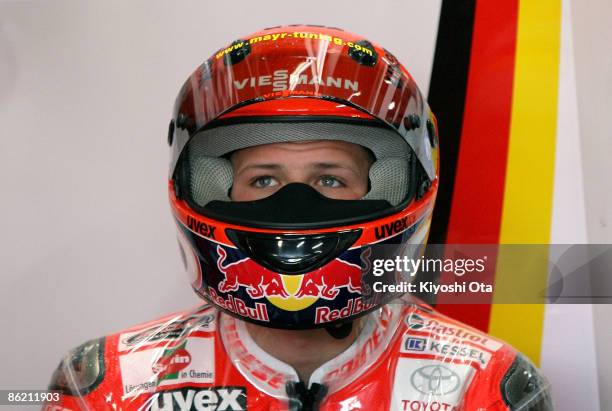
x,y
336,169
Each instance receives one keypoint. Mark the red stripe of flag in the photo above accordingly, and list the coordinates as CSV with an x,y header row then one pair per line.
x,y
477,200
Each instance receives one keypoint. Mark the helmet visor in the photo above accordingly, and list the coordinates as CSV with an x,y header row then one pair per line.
x,y
312,62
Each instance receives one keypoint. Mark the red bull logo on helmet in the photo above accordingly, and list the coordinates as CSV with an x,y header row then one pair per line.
x,y
327,283
355,306
238,306
288,292
258,281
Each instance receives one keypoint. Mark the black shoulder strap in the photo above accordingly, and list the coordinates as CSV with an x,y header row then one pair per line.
x,y
524,388
81,370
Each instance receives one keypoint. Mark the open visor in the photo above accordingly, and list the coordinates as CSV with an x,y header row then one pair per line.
x,y
204,174
307,62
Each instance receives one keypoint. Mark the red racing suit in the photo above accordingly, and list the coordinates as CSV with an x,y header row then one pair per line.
x,y
406,357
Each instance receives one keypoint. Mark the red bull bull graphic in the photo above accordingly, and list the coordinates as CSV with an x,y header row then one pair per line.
x,y
287,292
258,281
243,287
327,283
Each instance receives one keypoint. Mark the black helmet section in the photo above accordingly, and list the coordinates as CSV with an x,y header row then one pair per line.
x,y
241,286
293,253
294,205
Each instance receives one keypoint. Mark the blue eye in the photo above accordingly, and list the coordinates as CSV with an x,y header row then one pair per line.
x,y
264,182
329,181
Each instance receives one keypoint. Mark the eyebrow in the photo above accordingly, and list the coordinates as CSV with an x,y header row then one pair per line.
x,y
332,166
263,166
328,165
318,166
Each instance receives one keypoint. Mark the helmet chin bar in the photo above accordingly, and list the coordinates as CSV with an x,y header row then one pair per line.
x,y
296,206
293,253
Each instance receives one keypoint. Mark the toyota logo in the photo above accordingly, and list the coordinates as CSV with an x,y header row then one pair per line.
x,y
435,379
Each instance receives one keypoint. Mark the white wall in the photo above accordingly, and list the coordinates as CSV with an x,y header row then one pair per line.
x,y
87,243
592,34
578,389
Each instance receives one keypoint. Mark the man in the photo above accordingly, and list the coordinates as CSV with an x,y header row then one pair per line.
x,y
298,153
336,169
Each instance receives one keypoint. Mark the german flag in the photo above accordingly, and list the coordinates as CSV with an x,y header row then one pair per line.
x,y
494,91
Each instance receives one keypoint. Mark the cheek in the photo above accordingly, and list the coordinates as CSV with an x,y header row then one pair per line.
x,y
240,191
243,193
357,189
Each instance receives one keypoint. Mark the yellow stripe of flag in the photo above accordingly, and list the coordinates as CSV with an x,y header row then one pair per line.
x,y
527,207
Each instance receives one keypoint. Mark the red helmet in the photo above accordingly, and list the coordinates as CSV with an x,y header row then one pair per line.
x,y
297,259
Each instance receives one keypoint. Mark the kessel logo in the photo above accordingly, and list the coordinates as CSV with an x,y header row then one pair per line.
x,y
435,380
201,399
